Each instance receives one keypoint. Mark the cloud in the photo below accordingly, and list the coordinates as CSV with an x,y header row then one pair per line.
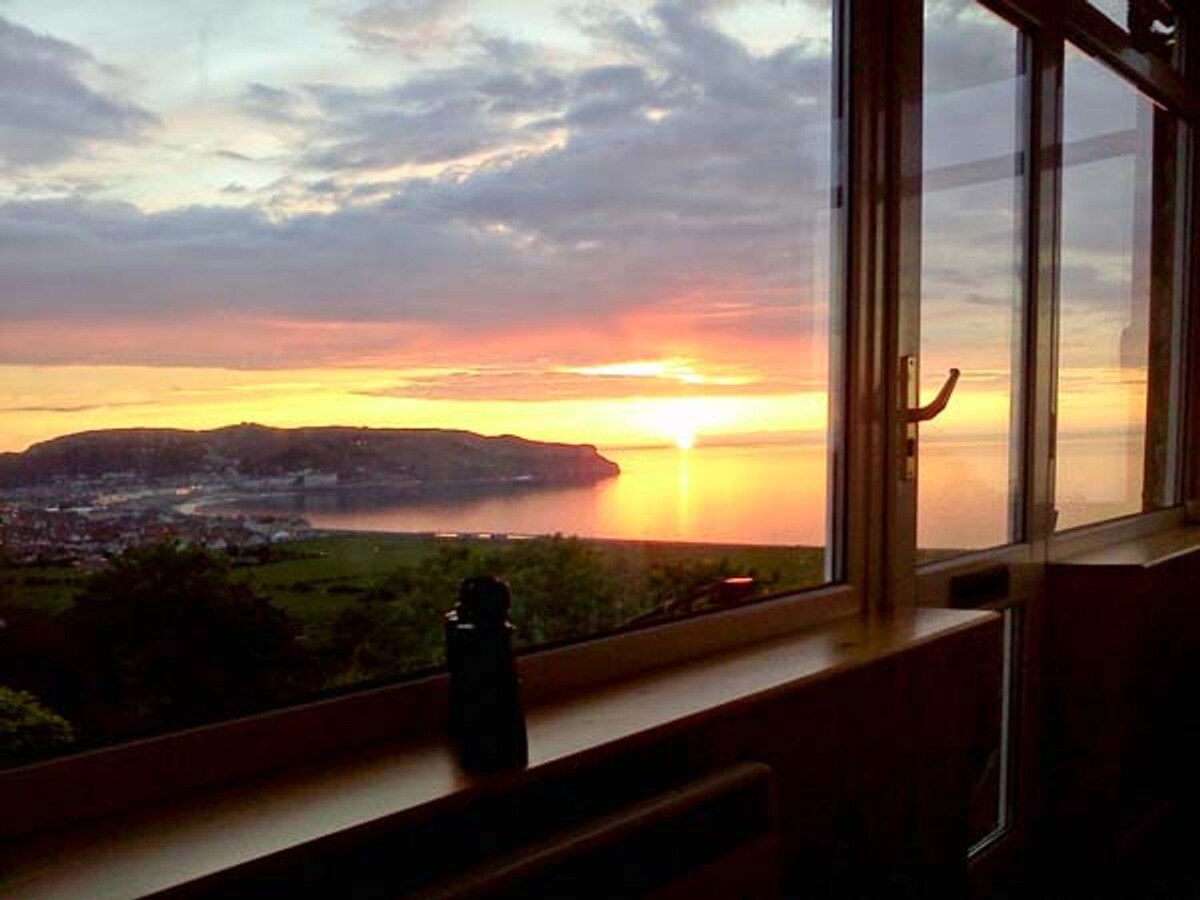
x,y
719,200
534,383
48,110
506,98
669,174
234,156
438,116
271,104
226,340
1086,286
365,131
70,408
414,27
90,407
967,46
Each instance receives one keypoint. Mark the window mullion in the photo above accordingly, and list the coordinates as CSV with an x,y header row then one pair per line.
x,y
884,43
1190,364
1045,190
1093,32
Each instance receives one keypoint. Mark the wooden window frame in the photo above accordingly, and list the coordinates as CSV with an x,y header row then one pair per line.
x,y
1049,25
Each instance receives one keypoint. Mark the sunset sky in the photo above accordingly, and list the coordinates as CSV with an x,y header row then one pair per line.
x,y
600,223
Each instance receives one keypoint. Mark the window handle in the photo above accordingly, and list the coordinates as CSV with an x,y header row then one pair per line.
x,y
940,402
912,412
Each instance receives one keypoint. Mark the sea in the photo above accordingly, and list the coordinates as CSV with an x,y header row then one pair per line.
x,y
764,494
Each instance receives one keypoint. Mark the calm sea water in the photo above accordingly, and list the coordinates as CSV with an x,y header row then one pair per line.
x,y
766,494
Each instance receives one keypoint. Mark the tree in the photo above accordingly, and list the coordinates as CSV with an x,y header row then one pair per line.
x,y
562,588
166,637
27,728
6,577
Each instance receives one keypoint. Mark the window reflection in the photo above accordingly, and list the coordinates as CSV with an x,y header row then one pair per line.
x,y
972,265
1117,403
1154,25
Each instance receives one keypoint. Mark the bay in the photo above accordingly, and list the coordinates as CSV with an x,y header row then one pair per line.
x,y
765,494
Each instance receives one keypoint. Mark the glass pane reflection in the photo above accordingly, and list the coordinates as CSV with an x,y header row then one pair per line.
x,y
972,266
1116,389
1155,27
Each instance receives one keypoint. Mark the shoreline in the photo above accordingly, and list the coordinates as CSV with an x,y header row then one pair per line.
x,y
390,491
322,533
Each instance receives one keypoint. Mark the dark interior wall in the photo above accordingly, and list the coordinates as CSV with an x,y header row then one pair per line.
x,y
877,769
1121,725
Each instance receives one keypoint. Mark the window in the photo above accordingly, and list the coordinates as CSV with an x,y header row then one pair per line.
x,y
1155,25
1119,321
972,278
634,279
607,227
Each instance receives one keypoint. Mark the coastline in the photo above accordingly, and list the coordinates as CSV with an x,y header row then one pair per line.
x,y
386,491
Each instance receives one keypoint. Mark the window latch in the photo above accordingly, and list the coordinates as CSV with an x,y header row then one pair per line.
x,y
940,402
915,413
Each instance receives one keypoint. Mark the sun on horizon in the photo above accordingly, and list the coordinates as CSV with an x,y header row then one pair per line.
x,y
685,440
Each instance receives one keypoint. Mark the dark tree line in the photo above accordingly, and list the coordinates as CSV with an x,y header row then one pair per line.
x,y
164,637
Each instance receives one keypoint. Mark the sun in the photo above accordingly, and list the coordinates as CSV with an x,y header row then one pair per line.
x,y
678,421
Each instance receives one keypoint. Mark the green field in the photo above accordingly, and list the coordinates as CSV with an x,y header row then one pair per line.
x,y
316,581
370,605
307,575
46,588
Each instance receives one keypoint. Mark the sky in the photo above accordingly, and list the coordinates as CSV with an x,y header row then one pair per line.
x,y
594,222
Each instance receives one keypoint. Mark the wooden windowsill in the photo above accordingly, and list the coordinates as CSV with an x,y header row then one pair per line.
x,y
1143,552
168,846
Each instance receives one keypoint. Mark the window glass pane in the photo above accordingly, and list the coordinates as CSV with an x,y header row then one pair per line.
x,y
1118,332
972,271
606,225
990,811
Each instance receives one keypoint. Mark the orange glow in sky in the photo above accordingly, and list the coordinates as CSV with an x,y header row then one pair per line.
x,y
47,401
42,402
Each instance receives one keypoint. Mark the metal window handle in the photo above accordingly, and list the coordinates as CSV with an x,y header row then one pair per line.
x,y
912,412
934,409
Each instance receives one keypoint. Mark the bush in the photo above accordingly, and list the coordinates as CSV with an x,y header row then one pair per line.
x,y
166,637
27,728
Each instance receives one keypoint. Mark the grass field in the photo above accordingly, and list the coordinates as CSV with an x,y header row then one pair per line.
x,y
48,589
314,579
324,574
